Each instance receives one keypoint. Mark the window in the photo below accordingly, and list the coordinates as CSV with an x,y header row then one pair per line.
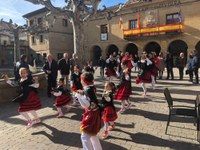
x,y
173,18
65,22
104,28
133,24
4,42
33,40
41,39
39,20
104,32
31,22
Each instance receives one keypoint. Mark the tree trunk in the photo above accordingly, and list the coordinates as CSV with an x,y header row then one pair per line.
x,y
78,41
16,45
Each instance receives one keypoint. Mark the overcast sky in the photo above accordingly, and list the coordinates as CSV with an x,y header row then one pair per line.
x,y
15,9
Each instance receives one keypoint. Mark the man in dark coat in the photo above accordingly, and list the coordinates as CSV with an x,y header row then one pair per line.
x,y
169,65
101,64
64,67
195,66
50,68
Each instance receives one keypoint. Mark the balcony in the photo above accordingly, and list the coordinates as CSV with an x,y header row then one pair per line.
x,y
169,28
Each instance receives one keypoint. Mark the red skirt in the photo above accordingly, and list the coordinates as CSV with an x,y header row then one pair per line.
x,y
75,88
110,72
63,100
154,71
31,103
91,123
144,78
123,91
109,114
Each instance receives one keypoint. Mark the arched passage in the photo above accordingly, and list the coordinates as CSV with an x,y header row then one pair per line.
x,y
132,49
176,47
152,47
197,47
96,53
111,49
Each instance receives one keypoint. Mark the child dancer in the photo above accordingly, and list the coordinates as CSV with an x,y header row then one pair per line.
x,y
144,75
63,98
76,82
124,88
89,67
29,102
91,122
111,66
109,113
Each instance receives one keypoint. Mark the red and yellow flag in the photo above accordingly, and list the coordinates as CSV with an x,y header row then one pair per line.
x,y
121,23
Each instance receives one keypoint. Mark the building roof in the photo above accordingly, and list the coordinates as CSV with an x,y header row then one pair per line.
x,y
39,11
4,25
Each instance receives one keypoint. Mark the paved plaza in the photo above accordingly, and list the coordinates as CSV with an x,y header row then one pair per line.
x,y
140,128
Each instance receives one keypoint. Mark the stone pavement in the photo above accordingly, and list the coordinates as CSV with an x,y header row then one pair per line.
x,y
140,128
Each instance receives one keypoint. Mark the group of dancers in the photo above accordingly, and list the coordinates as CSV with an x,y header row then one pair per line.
x,y
84,90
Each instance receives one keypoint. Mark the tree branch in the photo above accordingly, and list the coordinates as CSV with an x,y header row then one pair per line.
x,y
53,9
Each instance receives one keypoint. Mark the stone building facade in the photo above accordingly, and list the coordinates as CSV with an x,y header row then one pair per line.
x,y
156,25
149,25
7,44
49,34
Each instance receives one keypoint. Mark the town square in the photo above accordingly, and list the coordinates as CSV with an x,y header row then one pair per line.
x,y
99,75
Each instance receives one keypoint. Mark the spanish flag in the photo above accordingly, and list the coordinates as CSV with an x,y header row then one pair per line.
x,y
121,23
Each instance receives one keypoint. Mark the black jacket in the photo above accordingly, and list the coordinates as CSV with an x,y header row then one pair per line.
x,y
53,68
64,66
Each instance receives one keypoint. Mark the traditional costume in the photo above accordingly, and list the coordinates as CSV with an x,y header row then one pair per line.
x,y
91,122
124,88
111,65
76,82
144,74
109,112
63,97
28,99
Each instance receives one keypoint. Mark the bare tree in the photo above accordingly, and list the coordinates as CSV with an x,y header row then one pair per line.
x,y
77,11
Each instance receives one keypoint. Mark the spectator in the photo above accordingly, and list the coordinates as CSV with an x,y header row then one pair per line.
x,y
136,59
50,68
101,64
169,66
64,67
161,65
73,62
195,66
181,65
189,68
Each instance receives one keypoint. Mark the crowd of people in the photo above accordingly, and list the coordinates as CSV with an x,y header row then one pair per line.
x,y
80,89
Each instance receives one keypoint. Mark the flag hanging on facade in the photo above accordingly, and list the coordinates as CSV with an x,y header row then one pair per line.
x,y
121,23
138,21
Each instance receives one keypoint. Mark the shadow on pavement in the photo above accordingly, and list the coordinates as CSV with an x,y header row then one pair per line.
x,y
158,116
147,139
71,139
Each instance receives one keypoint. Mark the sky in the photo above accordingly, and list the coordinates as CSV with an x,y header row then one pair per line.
x,y
15,9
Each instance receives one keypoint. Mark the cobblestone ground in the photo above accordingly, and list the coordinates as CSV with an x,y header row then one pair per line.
x,y
141,127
